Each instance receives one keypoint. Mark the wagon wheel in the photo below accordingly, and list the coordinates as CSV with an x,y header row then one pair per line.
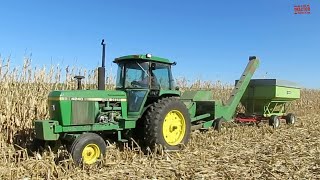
x,y
290,118
274,121
217,124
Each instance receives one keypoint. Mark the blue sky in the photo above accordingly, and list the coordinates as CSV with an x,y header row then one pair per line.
x,y
211,40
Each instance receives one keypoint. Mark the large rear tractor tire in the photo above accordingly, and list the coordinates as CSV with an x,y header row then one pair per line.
x,y
290,118
88,148
167,124
274,121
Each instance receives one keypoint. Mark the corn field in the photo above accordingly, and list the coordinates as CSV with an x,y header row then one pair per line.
x,y
239,152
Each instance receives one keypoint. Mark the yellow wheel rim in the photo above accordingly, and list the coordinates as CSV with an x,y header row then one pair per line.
x,y
90,153
174,127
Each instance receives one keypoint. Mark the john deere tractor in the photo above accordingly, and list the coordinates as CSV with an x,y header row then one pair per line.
x,y
145,100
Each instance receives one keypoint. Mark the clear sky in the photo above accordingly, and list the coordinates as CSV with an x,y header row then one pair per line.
x,y
211,40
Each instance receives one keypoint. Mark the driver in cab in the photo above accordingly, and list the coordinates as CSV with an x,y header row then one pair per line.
x,y
144,82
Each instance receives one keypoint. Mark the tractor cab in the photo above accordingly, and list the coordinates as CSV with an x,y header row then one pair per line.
x,y
145,78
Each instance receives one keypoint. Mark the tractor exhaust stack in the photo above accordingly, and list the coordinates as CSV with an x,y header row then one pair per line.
x,y
102,70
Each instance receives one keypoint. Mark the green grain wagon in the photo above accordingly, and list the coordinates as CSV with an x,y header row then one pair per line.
x,y
269,99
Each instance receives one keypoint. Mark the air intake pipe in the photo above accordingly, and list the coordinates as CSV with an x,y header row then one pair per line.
x,y
102,70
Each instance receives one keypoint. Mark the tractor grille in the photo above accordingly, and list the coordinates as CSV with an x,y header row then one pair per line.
x,y
83,112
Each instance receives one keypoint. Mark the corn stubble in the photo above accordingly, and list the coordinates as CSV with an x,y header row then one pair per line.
x,y
238,152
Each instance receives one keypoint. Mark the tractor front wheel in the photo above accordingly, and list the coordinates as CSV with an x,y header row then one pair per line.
x,y
88,148
167,124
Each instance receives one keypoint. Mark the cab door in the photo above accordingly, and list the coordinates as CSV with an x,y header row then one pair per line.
x,y
137,77
136,99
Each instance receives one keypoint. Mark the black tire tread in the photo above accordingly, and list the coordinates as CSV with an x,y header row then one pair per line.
x,y
153,122
218,124
272,121
289,118
80,142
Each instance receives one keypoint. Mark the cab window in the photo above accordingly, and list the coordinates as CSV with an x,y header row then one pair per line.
x,y
162,76
137,75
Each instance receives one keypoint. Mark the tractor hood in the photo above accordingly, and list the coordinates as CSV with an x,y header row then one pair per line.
x,y
79,107
88,95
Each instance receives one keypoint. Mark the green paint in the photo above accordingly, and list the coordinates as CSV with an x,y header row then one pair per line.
x,y
222,111
126,124
169,93
200,117
60,111
286,93
45,130
271,93
58,129
206,105
61,104
267,97
199,95
124,109
142,57
207,124
191,106
199,103
86,128
77,111
239,89
121,108
78,94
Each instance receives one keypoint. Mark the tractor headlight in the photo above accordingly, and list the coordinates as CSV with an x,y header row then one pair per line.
x,y
148,55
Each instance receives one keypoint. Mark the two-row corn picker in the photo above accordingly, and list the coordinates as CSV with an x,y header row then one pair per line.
x,y
145,101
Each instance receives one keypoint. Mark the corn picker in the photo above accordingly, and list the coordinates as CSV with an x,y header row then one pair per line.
x,y
145,101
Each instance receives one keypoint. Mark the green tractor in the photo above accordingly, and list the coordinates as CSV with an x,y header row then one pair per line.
x,y
145,101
